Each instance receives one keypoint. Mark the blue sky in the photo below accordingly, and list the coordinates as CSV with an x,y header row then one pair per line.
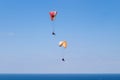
x,y
91,28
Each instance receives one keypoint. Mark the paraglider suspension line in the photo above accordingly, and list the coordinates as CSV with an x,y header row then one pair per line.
x,y
53,28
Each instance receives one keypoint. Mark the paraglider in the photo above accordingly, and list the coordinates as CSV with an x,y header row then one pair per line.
x,y
52,17
64,45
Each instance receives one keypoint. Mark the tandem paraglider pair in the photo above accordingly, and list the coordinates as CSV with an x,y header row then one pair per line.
x,y
52,18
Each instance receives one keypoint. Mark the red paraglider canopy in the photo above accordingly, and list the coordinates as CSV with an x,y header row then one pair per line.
x,y
53,14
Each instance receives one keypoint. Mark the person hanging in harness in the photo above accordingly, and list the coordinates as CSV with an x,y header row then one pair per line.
x,y
53,33
63,59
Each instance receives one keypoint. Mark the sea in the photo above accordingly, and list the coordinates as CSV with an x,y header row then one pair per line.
x,y
59,76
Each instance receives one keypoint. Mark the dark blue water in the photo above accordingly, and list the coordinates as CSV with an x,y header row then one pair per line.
x,y
59,76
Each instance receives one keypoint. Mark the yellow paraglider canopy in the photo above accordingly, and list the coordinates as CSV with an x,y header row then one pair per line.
x,y
63,44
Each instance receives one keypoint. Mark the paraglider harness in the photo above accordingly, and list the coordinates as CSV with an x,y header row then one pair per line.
x,y
53,33
63,59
